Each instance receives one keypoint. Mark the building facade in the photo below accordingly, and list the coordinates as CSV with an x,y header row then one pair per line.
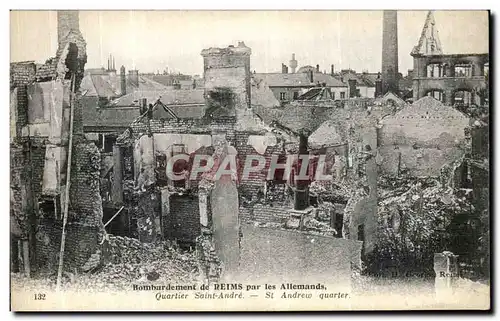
x,y
287,87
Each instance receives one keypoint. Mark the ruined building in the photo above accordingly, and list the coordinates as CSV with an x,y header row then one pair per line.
x,y
390,52
429,42
454,79
44,110
159,207
193,210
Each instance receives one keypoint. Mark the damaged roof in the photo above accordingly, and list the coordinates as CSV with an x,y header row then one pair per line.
x,y
362,79
316,93
268,115
327,135
120,117
390,96
429,106
188,103
261,94
303,119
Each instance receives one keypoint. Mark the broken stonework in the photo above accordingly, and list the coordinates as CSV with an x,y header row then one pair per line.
x,y
121,261
424,136
146,216
208,260
358,196
84,228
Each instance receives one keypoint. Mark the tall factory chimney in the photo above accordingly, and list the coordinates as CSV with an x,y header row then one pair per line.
x,y
390,52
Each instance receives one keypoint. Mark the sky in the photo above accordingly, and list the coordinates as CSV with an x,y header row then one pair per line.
x,y
152,40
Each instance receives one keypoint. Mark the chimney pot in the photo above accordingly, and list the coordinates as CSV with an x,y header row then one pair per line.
x,y
123,81
284,68
317,68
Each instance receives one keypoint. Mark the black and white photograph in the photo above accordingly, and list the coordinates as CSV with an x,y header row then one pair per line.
x,y
249,160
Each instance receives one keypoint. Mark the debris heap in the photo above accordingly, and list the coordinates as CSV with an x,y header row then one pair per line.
x,y
122,261
416,218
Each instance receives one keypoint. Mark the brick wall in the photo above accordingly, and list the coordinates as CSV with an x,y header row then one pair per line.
x,y
85,198
256,181
265,213
18,212
37,160
22,106
81,242
22,73
185,126
184,218
84,227
85,215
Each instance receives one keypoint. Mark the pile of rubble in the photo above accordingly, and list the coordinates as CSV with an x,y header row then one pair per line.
x,y
414,220
207,256
333,192
311,225
123,260
314,226
421,198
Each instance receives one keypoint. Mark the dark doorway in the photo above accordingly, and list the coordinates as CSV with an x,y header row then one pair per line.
x,y
184,224
361,232
119,225
338,223
14,254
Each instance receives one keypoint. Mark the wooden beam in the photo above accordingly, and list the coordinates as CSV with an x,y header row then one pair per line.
x,y
116,214
68,182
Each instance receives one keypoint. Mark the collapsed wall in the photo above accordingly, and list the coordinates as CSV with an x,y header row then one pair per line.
x,y
84,228
422,138
41,100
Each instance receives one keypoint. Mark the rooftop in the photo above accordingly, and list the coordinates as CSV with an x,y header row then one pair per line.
x,y
168,97
102,84
300,79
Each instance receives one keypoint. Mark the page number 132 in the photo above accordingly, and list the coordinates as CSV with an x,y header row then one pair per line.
x,y
39,296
